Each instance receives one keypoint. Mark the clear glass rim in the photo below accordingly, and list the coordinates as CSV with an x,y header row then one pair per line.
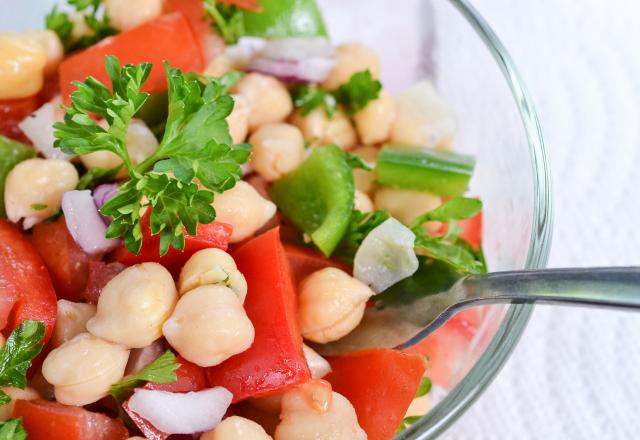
x,y
492,360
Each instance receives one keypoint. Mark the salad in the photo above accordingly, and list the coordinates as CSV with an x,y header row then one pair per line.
x,y
195,197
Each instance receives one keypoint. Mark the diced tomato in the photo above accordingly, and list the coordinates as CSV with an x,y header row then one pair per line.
x,y
12,112
213,235
169,37
305,261
471,230
68,265
380,384
191,377
275,361
25,284
45,420
149,431
100,273
50,89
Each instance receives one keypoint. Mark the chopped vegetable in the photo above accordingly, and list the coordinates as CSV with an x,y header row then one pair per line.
x,y
162,370
358,91
386,256
12,112
190,377
94,18
360,225
85,224
68,265
38,127
438,172
173,41
309,97
55,421
318,196
304,261
380,384
275,361
227,19
22,346
100,274
12,429
11,153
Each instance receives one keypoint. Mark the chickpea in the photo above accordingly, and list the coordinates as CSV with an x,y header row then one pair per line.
x,y
52,46
141,143
212,266
82,369
134,305
219,65
351,58
317,364
269,99
126,15
331,304
236,428
318,129
209,325
244,208
340,131
6,410
72,320
405,204
22,63
362,202
312,125
277,149
238,120
374,122
313,411
423,119
366,180
33,189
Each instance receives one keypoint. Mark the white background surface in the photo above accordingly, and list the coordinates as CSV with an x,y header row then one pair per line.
x,y
575,374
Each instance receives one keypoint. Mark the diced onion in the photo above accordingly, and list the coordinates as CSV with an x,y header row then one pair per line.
x,y
85,223
386,256
181,413
317,364
38,127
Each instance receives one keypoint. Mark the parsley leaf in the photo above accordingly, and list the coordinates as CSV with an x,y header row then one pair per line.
x,y
162,370
357,162
195,145
22,346
358,91
450,248
407,422
12,429
228,20
308,97
94,18
360,225
424,387
38,206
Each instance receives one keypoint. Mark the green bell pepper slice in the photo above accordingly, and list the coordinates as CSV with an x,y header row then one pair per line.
x,y
439,172
11,153
318,196
284,19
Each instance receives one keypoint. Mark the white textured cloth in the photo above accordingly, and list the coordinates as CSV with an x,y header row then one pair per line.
x,y
575,373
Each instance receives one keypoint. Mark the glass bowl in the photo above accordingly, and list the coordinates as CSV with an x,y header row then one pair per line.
x,y
449,43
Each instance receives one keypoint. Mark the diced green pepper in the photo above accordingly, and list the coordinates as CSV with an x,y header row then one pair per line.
x,y
439,172
318,196
284,19
11,153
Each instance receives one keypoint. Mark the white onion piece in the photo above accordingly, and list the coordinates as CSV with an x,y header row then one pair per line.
x,y
85,222
38,127
241,53
311,70
181,413
386,256
317,364
298,48
141,357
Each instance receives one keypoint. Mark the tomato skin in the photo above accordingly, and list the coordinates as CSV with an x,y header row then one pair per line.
x,y
100,273
303,262
380,384
23,274
169,37
191,377
45,420
213,235
275,361
68,265
12,112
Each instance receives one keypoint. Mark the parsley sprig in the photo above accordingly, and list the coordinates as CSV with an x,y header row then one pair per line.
x,y
360,225
352,96
226,19
94,17
196,145
12,429
22,346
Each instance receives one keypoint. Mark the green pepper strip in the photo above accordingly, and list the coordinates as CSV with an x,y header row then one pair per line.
x,y
318,196
11,153
285,18
439,172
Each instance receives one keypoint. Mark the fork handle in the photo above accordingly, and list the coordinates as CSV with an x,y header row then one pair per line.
x,y
603,286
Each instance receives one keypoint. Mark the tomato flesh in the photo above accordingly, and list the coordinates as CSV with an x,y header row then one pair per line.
x,y
100,273
12,112
191,377
169,37
275,361
380,384
304,262
45,420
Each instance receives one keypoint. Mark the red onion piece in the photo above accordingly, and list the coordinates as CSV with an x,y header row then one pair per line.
x,y
85,222
181,413
141,357
101,195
